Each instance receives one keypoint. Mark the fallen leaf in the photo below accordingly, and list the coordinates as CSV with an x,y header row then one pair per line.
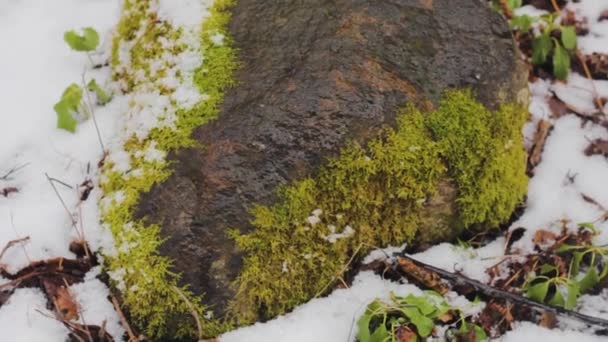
x,y
544,238
65,304
597,146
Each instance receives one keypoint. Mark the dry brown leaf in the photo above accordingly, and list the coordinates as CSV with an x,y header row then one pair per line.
x,y
597,146
65,304
405,334
542,132
544,238
425,277
547,320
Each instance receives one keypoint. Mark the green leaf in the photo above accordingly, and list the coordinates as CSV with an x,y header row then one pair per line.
x,y
590,279
64,117
561,62
590,226
569,37
381,334
424,325
72,95
363,332
423,304
575,264
67,105
541,47
573,293
513,4
566,248
88,41
102,96
546,268
522,23
538,292
558,298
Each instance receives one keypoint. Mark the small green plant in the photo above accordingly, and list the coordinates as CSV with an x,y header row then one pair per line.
x,y
595,257
71,101
85,42
546,44
511,4
562,288
68,106
102,96
550,287
414,315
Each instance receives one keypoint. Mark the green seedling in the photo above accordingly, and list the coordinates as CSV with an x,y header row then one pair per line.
x,y
86,42
565,290
68,105
102,96
545,45
382,321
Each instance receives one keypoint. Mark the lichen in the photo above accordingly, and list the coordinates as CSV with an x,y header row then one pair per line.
x,y
376,195
148,288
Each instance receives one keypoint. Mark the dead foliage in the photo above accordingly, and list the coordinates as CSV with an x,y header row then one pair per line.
x,y
597,147
8,190
54,277
542,132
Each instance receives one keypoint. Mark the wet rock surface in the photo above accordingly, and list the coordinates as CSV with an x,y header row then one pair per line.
x,y
314,75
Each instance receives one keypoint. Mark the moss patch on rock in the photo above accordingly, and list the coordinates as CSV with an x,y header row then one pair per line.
x,y
377,195
149,291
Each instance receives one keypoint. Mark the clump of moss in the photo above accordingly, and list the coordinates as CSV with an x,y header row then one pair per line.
x,y
148,288
375,195
484,154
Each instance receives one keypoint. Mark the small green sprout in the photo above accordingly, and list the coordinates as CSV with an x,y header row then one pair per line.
x,y
382,321
88,41
545,44
565,291
69,104
102,96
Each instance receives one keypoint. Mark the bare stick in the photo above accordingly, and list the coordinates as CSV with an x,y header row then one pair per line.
x,y
103,149
123,320
192,311
341,271
10,172
493,292
62,201
17,236
598,100
12,243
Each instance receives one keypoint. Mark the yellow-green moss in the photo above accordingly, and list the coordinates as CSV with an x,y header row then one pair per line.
x,y
376,193
485,156
142,276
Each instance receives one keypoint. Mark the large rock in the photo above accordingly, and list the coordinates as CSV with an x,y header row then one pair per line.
x,y
316,74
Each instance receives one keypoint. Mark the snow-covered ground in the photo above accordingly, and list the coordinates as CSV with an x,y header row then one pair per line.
x,y
36,65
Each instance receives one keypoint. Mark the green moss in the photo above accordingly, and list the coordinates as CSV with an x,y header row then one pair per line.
x,y
376,196
143,277
484,154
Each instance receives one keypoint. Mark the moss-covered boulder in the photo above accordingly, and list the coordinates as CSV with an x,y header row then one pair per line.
x,y
335,141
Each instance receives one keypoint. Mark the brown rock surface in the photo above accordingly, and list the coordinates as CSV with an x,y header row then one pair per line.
x,y
315,74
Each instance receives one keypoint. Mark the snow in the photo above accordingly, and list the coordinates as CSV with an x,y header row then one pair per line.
x,y
331,318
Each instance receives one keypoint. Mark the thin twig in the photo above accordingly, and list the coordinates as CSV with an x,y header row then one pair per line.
x,y
62,201
17,236
556,7
596,96
192,311
502,294
339,275
7,175
12,243
123,320
86,90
